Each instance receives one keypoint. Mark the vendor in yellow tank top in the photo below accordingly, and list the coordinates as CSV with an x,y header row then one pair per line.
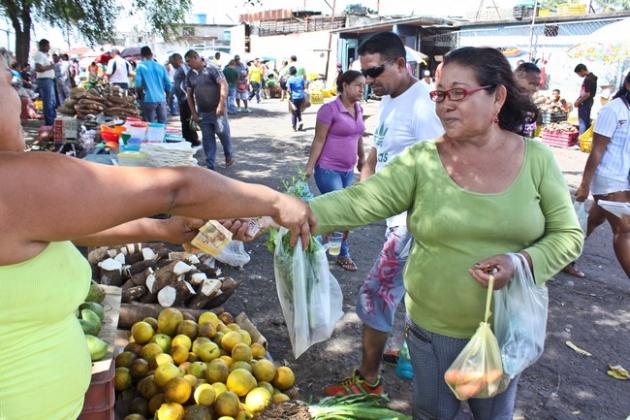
x,y
48,201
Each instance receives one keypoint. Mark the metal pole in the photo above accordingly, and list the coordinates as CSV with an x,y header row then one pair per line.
x,y
332,21
531,31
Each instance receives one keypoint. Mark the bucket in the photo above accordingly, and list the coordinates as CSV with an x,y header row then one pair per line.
x,y
156,133
138,130
132,145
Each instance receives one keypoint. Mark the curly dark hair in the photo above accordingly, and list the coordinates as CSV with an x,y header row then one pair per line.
x,y
492,69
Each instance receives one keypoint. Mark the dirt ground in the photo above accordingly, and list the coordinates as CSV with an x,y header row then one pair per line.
x,y
593,313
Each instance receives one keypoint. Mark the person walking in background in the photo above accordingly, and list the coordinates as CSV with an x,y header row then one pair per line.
x,y
607,171
406,116
179,90
152,85
584,102
55,59
242,86
171,99
207,93
527,77
216,60
62,71
118,70
296,85
255,74
284,76
45,69
231,77
298,67
338,145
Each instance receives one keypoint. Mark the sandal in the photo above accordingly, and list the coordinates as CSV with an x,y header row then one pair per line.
x,y
346,263
229,163
573,271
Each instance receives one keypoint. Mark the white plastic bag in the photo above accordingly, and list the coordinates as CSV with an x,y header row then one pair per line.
x,y
234,254
309,295
520,319
582,214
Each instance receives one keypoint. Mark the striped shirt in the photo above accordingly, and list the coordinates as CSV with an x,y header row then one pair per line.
x,y
613,122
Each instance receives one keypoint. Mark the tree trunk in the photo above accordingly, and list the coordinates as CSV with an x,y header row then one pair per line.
x,y
22,46
21,21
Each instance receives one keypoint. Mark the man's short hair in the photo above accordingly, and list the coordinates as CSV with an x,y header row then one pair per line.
x,y
293,58
146,51
387,44
528,68
580,67
237,57
556,90
217,55
175,56
115,51
42,42
191,54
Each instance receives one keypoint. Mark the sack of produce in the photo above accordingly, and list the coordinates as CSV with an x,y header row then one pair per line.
x,y
309,295
520,319
477,372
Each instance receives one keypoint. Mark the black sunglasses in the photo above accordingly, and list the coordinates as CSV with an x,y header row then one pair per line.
x,y
373,72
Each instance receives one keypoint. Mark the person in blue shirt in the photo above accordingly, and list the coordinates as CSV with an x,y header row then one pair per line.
x,y
152,84
296,85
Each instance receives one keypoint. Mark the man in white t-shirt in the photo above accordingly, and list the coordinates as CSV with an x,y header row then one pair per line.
x,y
45,69
406,116
118,70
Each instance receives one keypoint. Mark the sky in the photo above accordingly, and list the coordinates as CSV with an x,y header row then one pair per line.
x,y
228,11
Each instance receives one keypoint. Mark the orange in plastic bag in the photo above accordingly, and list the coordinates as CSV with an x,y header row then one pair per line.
x,y
477,372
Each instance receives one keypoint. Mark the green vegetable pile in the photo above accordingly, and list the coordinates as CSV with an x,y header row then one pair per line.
x,y
355,407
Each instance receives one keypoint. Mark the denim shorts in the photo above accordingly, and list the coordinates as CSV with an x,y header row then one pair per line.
x,y
383,289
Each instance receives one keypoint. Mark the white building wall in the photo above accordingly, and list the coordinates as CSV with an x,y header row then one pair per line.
x,y
309,47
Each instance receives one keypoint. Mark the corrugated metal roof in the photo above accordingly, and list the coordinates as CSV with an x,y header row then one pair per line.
x,y
424,21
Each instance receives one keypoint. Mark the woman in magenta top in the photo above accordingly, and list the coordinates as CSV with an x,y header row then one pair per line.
x,y
338,146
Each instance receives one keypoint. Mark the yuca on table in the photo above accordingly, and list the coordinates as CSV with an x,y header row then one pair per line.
x,y
150,274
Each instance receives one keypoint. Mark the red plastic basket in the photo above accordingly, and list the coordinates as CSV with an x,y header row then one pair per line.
x,y
556,139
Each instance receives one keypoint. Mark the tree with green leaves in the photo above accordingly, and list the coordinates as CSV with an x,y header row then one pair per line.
x,y
93,19
603,5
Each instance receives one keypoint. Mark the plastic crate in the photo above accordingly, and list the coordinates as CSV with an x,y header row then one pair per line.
x,y
563,140
548,117
316,98
100,397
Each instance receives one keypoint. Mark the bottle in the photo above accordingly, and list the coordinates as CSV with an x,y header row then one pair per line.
x,y
404,369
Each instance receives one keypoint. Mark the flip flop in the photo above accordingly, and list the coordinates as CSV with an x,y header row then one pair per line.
x,y
347,264
573,271
229,163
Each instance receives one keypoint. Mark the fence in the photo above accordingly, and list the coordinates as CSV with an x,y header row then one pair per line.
x,y
292,26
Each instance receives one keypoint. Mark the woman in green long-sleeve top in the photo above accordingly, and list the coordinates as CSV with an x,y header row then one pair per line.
x,y
472,195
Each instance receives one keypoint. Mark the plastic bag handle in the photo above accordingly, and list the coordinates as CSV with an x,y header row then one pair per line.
x,y
489,297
